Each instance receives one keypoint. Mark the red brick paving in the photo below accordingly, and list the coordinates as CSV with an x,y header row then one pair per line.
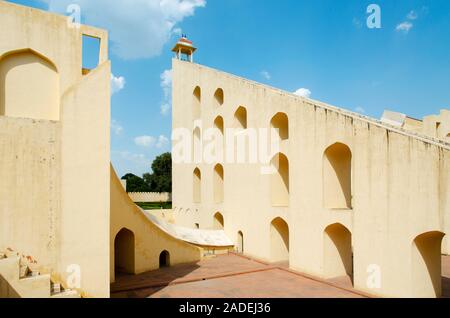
x,y
232,276
227,276
273,283
206,269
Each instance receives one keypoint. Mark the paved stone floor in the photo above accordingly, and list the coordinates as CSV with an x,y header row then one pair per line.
x,y
233,276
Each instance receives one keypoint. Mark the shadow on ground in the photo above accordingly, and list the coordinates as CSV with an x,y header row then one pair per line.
x,y
145,284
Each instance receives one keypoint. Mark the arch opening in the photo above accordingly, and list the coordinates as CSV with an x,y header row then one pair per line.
x,y
280,181
280,122
197,145
427,265
196,103
219,97
240,242
240,118
337,177
219,223
197,186
279,240
219,137
29,86
338,252
218,184
218,124
124,252
164,259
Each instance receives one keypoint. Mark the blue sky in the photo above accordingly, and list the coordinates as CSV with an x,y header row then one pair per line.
x,y
323,46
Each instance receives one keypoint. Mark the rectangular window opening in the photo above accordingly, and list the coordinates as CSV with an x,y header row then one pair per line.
x,y
91,53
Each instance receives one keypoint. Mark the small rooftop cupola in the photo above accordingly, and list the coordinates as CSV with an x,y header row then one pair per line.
x,y
184,49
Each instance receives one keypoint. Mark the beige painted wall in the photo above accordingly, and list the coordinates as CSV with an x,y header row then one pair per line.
x,y
29,207
85,179
150,241
60,162
400,182
24,70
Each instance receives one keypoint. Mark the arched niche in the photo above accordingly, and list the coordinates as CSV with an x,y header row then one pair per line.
x,y
29,86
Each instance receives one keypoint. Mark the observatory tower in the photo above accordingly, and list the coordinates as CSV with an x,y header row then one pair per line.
x,y
184,49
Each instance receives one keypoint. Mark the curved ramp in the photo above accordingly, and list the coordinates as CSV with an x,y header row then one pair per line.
x,y
151,237
207,238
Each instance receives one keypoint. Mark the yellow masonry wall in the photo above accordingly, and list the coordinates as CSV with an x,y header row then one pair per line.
x,y
400,182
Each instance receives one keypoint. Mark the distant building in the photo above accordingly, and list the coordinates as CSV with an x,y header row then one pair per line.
x,y
435,126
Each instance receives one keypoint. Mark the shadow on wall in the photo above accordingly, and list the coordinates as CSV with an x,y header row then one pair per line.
x,y
427,264
279,183
279,240
6,290
218,221
240,243
240,118
124,252
29,86
337,177
197,186
338,252
219,97
197,145
281,122
196,103
218,184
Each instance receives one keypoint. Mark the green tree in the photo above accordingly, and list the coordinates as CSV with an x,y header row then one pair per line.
x,y
161,178
135,183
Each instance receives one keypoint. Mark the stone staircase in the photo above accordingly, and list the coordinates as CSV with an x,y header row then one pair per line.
x,y
20,278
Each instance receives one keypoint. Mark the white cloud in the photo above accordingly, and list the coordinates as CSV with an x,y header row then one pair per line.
x,y
150,141
137,159
117,83
266,75
303,92
137,30
166,85
412,15
145,141
177,31
165,109
166,82
360,110
404,27
116,127
163,141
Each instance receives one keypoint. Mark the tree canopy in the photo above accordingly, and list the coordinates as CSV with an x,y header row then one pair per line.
x,y
160,180
135,183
